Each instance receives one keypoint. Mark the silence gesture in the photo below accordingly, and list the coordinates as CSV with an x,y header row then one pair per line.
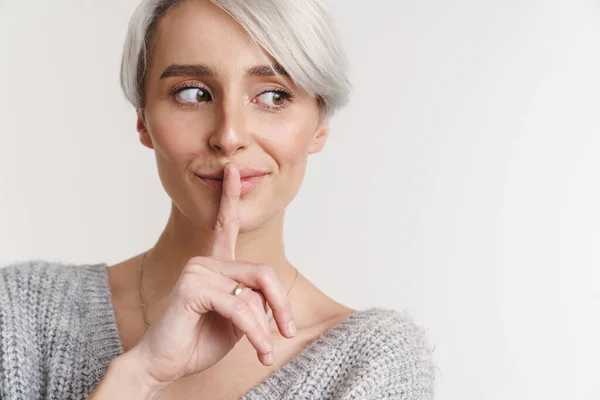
x,y
202,319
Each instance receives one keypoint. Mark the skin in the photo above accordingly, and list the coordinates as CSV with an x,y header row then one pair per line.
x,y
200,132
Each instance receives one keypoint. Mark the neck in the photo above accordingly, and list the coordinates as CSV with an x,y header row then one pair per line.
x,y
182,239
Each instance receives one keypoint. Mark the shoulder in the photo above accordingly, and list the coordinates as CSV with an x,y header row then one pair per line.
x,y
390,357
384,331
38,275
38,286
31,271
390,329
24,282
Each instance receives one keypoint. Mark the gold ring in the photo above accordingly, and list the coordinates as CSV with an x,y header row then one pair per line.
x,y
238,288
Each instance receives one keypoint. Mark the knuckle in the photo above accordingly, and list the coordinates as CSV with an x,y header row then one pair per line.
x,y
223,221
193,268
220,220
239,305
200,260
270,345
192,278
254,299
264,272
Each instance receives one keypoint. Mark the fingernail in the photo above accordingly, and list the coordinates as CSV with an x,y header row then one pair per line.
x,y
269,358
292,328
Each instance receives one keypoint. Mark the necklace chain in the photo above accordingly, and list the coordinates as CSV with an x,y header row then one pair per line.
x,y
143,299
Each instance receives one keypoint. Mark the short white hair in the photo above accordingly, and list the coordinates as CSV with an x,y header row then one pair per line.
x,y
298,34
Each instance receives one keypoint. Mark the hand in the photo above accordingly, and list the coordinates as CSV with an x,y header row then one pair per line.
x,y
201,321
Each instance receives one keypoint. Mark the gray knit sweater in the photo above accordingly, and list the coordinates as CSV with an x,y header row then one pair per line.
x,y
58,334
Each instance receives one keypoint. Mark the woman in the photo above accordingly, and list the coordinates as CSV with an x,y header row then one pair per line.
x,y
232,96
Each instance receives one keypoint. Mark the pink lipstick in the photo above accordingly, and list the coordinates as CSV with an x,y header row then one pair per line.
x,y
249,180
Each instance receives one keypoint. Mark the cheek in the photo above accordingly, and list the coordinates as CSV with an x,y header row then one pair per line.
x,y
288,142
288,145
175,135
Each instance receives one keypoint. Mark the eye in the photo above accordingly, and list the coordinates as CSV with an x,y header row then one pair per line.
x,y
193,95
274,98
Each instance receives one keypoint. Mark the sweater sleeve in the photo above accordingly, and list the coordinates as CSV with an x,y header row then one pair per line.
x,y
57,333
394,361
33,296
21,350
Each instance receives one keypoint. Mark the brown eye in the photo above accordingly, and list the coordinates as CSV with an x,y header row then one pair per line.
x,y
193,95
278,99
273,98
202,95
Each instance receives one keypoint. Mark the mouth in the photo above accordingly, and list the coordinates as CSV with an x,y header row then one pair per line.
x,y
247,184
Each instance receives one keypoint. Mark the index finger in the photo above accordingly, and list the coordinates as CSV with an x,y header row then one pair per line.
x,y
228,217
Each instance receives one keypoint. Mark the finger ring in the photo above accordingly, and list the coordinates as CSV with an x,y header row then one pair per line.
x,y
238,288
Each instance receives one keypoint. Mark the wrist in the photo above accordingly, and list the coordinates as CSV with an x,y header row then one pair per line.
x,y
127,372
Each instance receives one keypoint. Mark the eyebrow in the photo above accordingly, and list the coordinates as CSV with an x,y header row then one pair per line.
x,y
203,70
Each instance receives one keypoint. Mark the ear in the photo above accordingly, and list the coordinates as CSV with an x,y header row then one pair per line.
x,y
143,130
319,138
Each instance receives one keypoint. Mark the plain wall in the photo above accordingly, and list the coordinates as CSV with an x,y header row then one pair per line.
x,y
460,184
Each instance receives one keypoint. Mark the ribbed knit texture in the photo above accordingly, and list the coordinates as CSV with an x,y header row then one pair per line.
x,y
58,334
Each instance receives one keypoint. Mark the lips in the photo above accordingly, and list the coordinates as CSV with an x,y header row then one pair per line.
x,y
247,183
244,173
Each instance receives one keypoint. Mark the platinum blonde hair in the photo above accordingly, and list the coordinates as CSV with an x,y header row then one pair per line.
x,y
298,34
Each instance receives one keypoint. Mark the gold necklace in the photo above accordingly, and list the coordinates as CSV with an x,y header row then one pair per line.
x,y
143,303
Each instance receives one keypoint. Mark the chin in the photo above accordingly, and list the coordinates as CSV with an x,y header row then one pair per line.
x,y
257,208
255,219
253,216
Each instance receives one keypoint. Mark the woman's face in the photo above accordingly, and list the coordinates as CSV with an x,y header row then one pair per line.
x,y
210,100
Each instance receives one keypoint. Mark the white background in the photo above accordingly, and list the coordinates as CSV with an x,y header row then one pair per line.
x,y
461,183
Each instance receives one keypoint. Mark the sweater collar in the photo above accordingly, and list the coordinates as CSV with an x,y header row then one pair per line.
x,y
106,345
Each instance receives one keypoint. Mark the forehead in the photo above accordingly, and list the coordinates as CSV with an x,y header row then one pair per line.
x,y
197,31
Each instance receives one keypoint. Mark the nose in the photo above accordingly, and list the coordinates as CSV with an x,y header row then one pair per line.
x,y
230,134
